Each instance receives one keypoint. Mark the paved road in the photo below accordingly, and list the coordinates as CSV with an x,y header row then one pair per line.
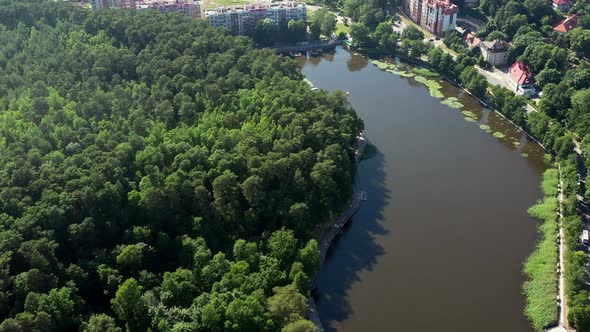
x,y
562,248
499,76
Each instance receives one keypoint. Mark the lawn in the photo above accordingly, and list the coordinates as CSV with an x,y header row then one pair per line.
x,y
216,3
340,27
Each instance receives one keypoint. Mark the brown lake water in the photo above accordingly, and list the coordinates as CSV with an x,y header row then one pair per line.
x,y
440,243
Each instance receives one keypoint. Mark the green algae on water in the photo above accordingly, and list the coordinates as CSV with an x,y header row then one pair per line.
x,y
486,128
433,86
469,114
499,135
401,73
468,119
452,102
380,64
524,155
516,143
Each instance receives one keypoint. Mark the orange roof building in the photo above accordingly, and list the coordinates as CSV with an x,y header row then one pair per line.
x,y
567,25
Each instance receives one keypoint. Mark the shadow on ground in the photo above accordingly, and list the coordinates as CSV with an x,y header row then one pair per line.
x,y
355,249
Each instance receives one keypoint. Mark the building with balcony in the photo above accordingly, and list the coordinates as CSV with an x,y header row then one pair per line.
x,y
242,20
436,16
189,8
104,4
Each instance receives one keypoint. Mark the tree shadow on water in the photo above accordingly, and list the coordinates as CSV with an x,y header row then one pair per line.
x,y
355,249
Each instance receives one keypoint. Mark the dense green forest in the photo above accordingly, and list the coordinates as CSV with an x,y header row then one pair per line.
x,y
159,174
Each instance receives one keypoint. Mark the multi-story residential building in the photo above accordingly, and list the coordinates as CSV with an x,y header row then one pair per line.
x,y
436,16
242,20
103,4
495,52
190,8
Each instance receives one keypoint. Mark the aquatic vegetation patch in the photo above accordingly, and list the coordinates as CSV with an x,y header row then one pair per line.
x,y
516,143
380,64
524,155
452,102
486,128
385,65
425,72
468,119
436,93
433,86
469,114
499,135
401,73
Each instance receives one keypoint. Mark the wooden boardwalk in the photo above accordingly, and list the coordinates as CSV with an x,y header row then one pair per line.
x,y
331,234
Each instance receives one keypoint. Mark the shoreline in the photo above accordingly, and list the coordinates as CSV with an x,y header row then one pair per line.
x,y
327,239
424,64
562,307
330,235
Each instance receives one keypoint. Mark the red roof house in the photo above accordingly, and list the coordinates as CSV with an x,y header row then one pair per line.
x,y
521,78
567,25
471,40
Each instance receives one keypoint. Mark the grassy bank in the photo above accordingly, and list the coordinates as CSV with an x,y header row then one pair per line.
x,y
540,268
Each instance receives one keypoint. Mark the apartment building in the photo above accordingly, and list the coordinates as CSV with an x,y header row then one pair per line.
x,y
436,16
190,8
104,4
242,20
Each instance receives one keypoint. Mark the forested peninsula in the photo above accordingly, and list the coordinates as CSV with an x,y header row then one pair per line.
x,y
159,174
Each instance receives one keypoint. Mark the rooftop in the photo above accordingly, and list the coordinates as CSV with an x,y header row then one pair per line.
x,y
496,46
567,25
521,73
472,40
562,2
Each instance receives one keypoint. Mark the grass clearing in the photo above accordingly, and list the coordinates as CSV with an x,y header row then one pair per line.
x,y
341,27
540,268
216,3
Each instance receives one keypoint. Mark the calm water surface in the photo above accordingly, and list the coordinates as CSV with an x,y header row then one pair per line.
x,y
440,242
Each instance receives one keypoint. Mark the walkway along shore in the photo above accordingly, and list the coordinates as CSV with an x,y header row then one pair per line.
x,y
563,324
331,234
